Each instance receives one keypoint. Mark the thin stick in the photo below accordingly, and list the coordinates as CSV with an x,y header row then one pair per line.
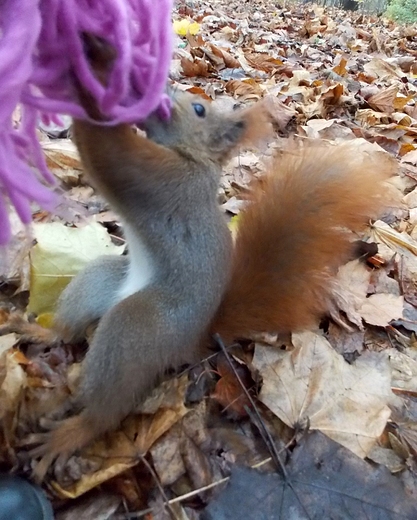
x,y
266,435
190,494
167,502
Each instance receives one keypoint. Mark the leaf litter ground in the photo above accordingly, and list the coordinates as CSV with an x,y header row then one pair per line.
x,y
320,425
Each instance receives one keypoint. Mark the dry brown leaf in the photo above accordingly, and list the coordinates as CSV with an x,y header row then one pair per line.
x,y
314,386
63,159
198,67
340,68
382,69
410,157
388,458
345,342
382,283
381,309
332,95
6,343
13,380
229,60
199,91
263,62
397,242
351,290
407,433
248,89
384,100
166,456
123,448
228,391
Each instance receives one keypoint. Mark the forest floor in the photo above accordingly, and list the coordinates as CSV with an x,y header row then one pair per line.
x,y
323,424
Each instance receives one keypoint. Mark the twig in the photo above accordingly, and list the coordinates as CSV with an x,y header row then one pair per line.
x,y
267,436
167,502
188,369
190,494
264,431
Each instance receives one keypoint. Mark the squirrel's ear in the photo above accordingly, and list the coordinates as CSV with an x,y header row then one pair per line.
x,y
245,127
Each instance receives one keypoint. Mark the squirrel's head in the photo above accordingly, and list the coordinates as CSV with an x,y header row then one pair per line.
x,y
204,130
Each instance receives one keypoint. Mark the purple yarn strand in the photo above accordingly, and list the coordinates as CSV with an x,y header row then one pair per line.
x,y
40,50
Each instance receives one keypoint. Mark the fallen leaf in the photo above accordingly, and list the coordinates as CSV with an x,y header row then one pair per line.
x,y
60,253
321,477
351,290
123,448
381,309
229,392
314,386
13,381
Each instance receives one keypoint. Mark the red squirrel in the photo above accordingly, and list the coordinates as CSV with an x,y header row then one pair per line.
x,y
183,278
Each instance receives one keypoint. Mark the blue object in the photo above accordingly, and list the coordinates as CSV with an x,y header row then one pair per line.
x,y
21,500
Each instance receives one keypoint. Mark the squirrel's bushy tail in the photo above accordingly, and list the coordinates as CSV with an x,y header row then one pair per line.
x,y
296,234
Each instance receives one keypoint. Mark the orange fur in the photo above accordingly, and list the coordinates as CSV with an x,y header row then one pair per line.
x,y
68,436
294,236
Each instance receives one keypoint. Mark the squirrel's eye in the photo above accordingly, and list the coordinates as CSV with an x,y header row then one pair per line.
x,y
199,109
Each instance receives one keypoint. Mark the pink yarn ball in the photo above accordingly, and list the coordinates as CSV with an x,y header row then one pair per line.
x,y
40,48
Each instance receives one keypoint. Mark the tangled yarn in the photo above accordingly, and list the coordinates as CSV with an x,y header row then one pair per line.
x,y
40,47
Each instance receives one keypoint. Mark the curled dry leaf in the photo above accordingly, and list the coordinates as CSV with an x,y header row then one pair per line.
x,y
263,62
122,449
410,157
388,458
167,458
346,342
228,59
13,379
195,68
247,89
398,242
351,295
384,100
315,386
63,159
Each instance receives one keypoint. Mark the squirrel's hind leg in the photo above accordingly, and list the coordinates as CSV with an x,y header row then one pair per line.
x,y
89,296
